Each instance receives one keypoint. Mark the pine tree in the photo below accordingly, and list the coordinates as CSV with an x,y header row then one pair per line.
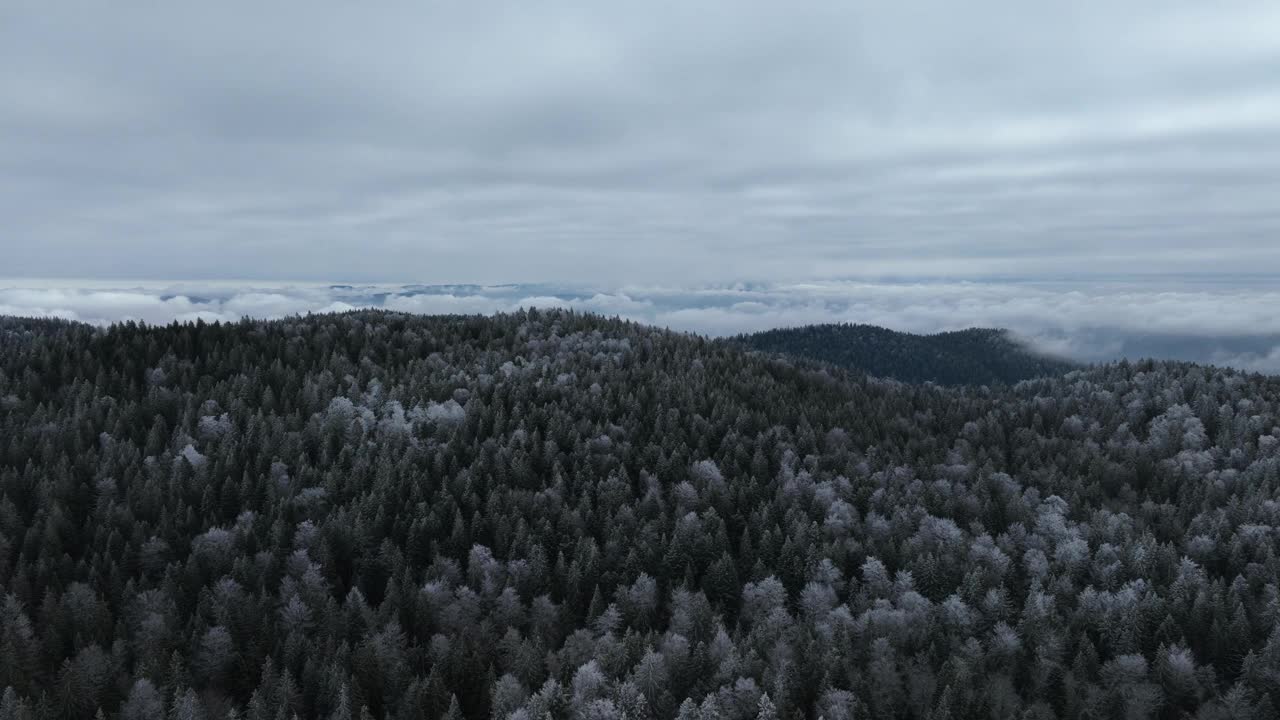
x,y
455,710
765,709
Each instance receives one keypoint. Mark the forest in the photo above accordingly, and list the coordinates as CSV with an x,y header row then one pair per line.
x,y
555,514
976,356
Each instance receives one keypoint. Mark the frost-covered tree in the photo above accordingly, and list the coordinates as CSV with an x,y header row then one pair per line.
x,y
548,513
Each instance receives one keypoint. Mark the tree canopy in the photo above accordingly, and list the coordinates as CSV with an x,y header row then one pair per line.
x,y
548,513
977,356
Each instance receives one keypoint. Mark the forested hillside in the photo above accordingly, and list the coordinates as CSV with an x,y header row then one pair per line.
x,y
375,515
966,357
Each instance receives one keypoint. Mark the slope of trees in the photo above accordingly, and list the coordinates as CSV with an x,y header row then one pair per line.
x,y
374,515
966,357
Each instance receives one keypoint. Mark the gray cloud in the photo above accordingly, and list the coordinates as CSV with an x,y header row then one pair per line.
x,y
631,142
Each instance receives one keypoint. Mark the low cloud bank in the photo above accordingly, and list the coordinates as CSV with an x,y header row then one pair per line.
x,y
1225,325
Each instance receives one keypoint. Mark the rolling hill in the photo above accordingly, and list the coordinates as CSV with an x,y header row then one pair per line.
x,y
552,514
966,357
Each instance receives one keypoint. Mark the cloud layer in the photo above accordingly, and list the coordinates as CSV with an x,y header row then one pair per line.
x,y
623,141
1223,324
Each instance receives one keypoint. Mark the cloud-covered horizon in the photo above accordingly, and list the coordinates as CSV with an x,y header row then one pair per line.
x,y
1220,324
627,142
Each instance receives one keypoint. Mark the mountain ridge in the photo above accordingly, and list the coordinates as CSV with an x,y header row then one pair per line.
x,y
972,356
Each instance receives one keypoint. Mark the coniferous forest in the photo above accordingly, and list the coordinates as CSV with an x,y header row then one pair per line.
x,y
551,514
964,357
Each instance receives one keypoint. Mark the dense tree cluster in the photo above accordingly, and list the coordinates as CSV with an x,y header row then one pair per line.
x,y
375,515
966,357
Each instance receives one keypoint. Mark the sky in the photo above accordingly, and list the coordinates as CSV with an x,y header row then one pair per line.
x,y
1099,177
628,142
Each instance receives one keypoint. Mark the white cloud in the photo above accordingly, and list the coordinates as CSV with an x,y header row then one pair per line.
x,y
446,304
1263,361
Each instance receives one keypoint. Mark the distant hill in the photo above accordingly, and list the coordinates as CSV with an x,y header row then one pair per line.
x,y
977,356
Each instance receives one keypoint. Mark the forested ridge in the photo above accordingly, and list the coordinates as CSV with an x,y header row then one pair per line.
x,y
372,515
976,356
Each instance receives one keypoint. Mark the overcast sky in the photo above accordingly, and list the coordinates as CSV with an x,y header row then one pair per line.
x,y
638,141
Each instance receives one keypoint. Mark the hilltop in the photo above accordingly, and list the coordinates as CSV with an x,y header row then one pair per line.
x,y
975,356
